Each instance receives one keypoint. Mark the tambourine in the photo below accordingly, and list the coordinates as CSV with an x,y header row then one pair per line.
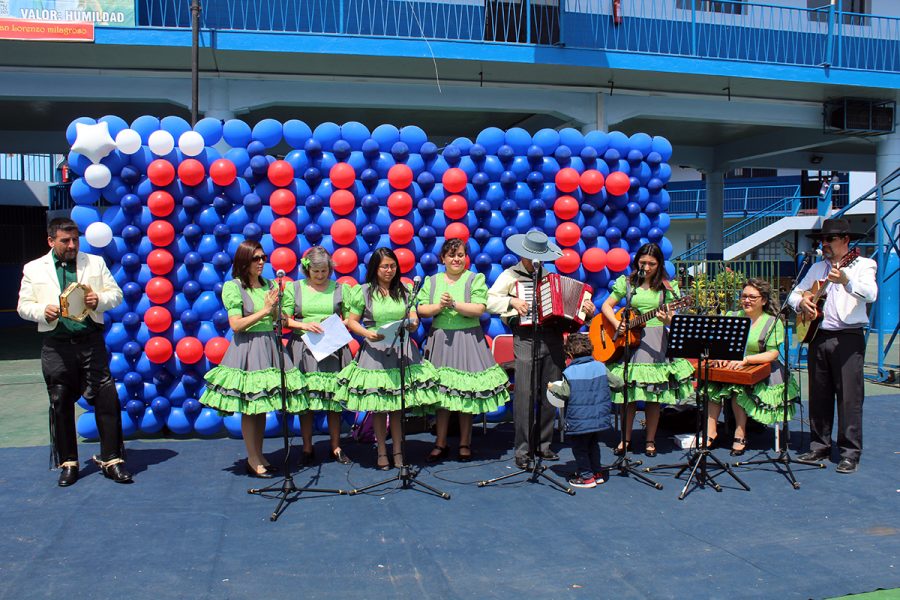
x,y
71,302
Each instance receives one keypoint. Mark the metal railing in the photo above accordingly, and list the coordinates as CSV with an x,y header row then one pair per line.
x,y
738,200
28,167
725,30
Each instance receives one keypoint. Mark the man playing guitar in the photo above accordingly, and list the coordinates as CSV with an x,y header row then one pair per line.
x,y
837,350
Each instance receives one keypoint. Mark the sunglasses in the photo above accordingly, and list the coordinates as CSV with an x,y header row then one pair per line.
x,y
259,258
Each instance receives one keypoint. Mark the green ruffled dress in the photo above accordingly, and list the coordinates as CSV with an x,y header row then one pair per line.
x,y
469,379
248,379
652,376
764,401
371,382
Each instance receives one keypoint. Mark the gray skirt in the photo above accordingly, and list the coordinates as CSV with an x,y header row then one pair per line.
x,y
302,358
460,349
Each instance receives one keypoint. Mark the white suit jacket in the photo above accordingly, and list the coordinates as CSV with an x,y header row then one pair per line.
x,y
849,301
40,287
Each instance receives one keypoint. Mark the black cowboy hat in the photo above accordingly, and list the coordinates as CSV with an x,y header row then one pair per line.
x,y
835,227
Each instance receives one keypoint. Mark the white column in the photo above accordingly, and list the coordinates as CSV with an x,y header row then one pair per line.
x,y
715,214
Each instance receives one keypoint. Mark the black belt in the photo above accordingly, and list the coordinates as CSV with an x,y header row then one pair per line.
x,y
72,339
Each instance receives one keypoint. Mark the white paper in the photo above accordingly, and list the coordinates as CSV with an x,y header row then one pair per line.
x,y
389,331
334,337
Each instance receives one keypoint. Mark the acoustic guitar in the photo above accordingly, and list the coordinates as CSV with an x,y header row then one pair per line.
x,y
808,326
609,345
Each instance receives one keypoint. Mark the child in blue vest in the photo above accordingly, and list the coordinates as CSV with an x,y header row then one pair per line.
x,y
585,390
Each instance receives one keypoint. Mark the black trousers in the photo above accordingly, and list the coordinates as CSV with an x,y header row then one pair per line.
x,y
586,450
550,364
75,367
835,366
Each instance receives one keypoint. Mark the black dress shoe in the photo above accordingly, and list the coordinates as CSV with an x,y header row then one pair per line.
x,y
523,462
68,476
340,457
815,455
549,455
117,472
847,465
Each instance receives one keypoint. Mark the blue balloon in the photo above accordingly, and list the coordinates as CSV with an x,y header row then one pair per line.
x,y
83,194
237,133
145,125
518,139
493,137
209,422
150,422
572,138
87,426
414,137
386,135
666,246
84,216
547,140
267,131
210,129
178,422
663,147
326,134
296,133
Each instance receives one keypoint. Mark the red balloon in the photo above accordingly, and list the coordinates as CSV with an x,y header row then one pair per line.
x,y
565,207
400,177
342,175
406,260
281,173
343,231
283,258
159,290
191,171
345,260
592,181
568,234
617,183
161,233
401,231
189,350
158,349
617,259
567,180
282,202
342,202
399,204
594,260
283,230
346,279
223,172
455,206
568,262
454,180
457,230
157,319
215,349
160,172
160,261
161,203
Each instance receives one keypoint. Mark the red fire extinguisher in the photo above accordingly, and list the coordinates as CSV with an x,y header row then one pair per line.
x,y
617,12
64,173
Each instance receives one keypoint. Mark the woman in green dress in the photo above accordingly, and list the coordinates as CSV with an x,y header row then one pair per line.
x,y
372,381
470,381
316,298
763,401
652,377
248,379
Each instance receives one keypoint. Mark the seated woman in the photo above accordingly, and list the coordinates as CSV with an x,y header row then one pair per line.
x,y
248,379
469,380
316,298
372,381
764,401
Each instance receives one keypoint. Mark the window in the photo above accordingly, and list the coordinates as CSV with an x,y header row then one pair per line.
x,y
771,251
695,239
748,173
852,11
728,7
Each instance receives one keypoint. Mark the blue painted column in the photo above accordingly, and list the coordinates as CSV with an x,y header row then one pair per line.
x,y
715,214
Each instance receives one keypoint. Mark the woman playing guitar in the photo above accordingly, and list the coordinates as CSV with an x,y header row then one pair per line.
x,y
652,378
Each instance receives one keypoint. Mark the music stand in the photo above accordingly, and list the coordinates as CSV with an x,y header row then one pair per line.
x,y
704,338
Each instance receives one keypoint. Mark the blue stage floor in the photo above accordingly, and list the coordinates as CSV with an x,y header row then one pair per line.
x,y
188,529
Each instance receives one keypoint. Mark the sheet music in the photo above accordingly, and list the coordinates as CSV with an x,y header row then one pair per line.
x,y
334,337
389,331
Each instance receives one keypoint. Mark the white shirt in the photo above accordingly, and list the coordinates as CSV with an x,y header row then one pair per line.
x,y
504,290
845,305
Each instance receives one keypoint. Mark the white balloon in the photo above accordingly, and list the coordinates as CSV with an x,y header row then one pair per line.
x,y
98,234
97,176
161,142
93,141
191,143
128,141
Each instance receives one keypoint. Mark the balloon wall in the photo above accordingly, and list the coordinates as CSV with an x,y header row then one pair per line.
x,y
177,201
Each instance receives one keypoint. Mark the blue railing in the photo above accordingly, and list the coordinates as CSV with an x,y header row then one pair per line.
x,y
28,167
750,32
737,201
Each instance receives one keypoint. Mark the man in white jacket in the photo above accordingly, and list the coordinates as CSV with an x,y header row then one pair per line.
x,y
73,357
837,352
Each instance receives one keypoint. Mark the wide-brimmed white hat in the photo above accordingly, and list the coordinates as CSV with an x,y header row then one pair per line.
x,y
534,245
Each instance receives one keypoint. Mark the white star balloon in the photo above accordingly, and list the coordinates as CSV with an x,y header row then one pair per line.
x,y
93,141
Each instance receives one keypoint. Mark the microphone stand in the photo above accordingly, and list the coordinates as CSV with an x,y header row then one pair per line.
x,y
284,490
406,475
784,458
537,468
624,464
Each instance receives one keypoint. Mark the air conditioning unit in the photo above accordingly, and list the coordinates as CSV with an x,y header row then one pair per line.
x,y
859,116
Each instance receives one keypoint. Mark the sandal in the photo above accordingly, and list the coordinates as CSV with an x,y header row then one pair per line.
x,y
397,463
438,453
465,457
650,448
340,457
711,442
621,448
743,444
383,466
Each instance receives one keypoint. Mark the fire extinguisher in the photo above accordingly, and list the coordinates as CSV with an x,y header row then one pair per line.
x,y
617,12
64,173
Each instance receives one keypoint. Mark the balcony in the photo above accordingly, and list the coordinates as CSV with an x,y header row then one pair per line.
x,y
733,31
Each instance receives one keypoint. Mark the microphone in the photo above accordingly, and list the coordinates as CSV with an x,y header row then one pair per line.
x,y
279,273
417,285
642,274
811,254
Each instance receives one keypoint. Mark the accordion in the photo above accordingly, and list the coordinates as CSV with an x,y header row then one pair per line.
x,y
559,301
